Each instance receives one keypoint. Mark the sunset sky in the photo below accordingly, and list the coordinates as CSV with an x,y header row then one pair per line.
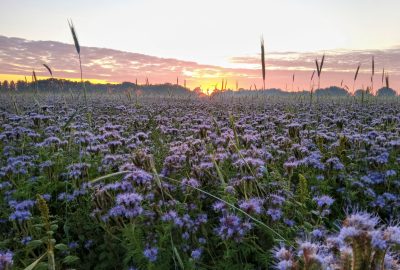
x,y
203,41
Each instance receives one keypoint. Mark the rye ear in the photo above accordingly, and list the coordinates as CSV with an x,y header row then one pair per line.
x,y
263,61
48,69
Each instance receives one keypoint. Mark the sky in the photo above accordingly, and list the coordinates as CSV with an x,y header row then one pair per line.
x,y
221,37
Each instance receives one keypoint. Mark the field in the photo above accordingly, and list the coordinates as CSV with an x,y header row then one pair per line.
x,y
249,182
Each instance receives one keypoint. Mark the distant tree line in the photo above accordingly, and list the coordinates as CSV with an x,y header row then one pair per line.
x,y
329,91
60,85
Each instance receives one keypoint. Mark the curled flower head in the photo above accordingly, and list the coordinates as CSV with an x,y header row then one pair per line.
x,y
253,205
190,182
282,253
392,234
323,201
361,221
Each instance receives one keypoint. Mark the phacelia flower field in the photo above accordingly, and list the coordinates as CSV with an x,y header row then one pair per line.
x,y
179,183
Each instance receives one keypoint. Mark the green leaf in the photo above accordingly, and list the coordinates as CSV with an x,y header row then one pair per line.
x,y
35,243
308,225
42,266
61,247
33,265
70,259
178,257
219,172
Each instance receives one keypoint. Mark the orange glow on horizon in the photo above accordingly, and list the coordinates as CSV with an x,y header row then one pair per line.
x,y
203,84
210,85
275,79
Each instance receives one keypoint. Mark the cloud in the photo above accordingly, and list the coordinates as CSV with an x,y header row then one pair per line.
x,y
20,56
337,61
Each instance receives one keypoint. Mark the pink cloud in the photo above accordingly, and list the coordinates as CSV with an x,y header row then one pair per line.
x,y
20,56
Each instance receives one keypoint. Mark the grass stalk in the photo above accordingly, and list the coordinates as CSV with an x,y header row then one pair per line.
x,y
78,51
263,61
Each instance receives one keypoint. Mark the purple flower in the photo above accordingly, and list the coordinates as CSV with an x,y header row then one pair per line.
x,y
314,160
171,215
249,162
289,222
47,197
196,254
139,177
335,164
392,234
88,244
26,240
65,197
390,173
230,190
202,240
52,141
277,200
382,158
23,205
151,253
291,164
323,201
362,221
127,205
185,235
348,232
377,240
73,245
46,165
6,259
232,227
274,213
191,182
21,212
78,170
282,253
317,233
121,210
284,265
129,199
373,178
5,184
18,165
253,205
219,206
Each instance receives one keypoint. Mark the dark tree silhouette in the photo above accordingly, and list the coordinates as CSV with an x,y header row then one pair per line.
x,y
331,91
386,91
359,93
5,85
12,86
